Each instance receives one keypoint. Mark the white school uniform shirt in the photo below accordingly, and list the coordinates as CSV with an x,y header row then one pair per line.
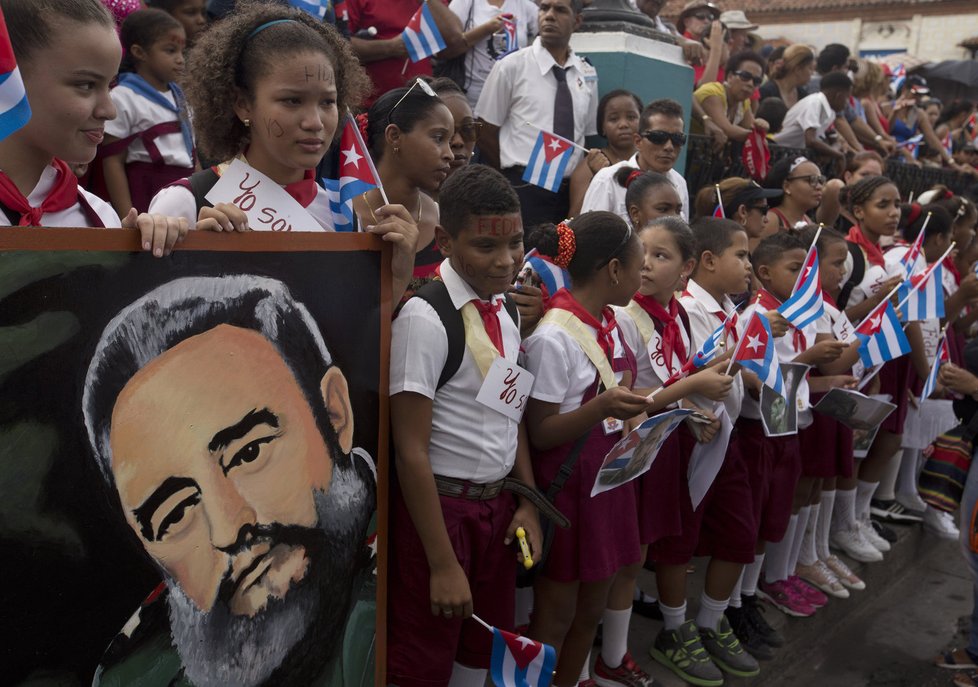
x,y
604,193
811,112
178,201
518,97
705,315
651,370
873,278
75,216
135,114
785,348
480,58
468,439
563,372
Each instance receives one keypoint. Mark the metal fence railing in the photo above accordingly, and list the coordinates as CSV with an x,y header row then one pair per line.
x,y
704,167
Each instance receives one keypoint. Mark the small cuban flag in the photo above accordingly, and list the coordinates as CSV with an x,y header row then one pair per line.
x,y
912,256
913,145
927,302
948,143
898,78
718,212
14,110
708,351
511,41
549,160
357,176
756,353
806,304
881,336
421,36
520,662
552,277
943,356
316,8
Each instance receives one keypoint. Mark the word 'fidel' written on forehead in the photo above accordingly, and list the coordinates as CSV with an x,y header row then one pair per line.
x,y
494,225
321,72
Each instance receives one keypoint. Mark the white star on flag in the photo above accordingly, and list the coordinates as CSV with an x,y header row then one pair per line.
x,y
875,322
525,641
352,157
555,144
753,343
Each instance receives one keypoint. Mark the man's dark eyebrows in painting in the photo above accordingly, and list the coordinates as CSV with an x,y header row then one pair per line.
x,y
217,416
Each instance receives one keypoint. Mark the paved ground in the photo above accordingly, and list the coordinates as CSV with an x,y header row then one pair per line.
x,y
882,637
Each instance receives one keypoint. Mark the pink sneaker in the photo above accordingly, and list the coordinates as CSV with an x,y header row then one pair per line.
x,y
785,598
808,592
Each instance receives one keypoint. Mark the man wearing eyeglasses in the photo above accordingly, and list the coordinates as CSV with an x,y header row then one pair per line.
x,y
806,122
658,143
544,86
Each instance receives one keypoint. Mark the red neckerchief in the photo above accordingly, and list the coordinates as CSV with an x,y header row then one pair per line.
x,y
565,300
63,195
827,297
668,327
767,301
872,251
949,265
491,322
304,191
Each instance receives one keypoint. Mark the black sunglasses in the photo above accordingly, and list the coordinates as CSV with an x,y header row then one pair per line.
x,y
469,131
760,208
745,75
702,16
659,137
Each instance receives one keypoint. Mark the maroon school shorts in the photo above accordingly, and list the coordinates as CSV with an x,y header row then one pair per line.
x,y
774,466
723,524
826,446
422,647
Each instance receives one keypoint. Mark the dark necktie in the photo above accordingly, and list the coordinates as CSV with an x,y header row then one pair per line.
x,y
563,106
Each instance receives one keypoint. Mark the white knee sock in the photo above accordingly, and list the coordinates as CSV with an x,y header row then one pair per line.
x,y
614,642
673,617
864,493
735,600
463,676
799,538
888,481
844,512
909,471
586,669
750,576
824,523
524,605
711,610
808,554
779,554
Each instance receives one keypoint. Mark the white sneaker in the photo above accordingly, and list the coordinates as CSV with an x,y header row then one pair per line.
x,y
911,502
940,524
853,544
869,534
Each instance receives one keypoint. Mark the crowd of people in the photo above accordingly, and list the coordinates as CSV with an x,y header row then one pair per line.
x,y
140,107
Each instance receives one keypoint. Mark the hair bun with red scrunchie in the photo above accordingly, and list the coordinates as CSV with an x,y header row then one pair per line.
x,y
915,210
566,245
632,177
363,123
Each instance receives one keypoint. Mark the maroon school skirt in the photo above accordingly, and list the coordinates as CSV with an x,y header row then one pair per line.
x,y
826,446
658,490
147,178
894,380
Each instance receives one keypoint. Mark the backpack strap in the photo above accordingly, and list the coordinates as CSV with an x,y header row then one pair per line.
x,y
435,294
858,272
200,185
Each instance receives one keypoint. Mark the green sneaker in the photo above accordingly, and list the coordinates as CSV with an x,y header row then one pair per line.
x,y
727,652
682,652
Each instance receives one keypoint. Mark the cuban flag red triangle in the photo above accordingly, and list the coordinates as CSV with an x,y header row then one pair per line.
x,y
755,341
520,662
553,146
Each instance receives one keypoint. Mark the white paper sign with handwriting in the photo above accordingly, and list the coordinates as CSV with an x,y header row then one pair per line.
x,y
267,205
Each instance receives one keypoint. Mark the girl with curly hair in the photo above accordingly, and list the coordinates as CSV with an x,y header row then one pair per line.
x,y
68,54
267,85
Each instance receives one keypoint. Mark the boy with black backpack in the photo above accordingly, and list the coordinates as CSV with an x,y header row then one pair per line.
x,y
457,396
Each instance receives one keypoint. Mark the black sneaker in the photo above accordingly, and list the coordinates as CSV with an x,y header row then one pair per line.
x,y
754,612
884,531
647,609
893,511
748,637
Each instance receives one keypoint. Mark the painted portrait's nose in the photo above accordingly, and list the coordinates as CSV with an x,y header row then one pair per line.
x,y
227,513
